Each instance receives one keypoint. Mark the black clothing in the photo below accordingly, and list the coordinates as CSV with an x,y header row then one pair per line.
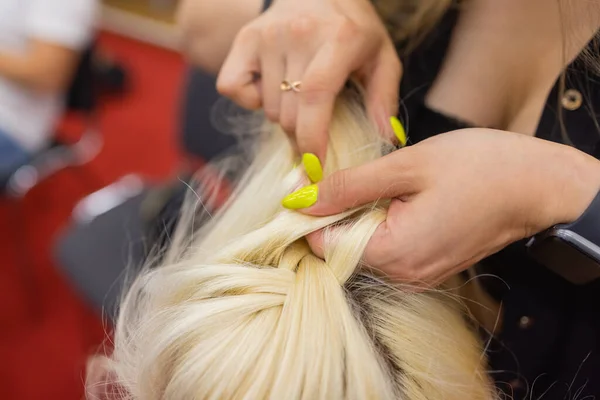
x,y
550,343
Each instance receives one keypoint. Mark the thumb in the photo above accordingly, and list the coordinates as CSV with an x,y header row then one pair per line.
x,y
386,177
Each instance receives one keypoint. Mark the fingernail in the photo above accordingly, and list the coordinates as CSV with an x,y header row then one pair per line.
x,y
301,198
398,130
313,167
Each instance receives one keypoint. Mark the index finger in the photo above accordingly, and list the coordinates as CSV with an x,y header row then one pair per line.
x,y
236,78
323,80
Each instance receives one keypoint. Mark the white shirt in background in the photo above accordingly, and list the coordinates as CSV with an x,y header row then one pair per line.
x,y
28,116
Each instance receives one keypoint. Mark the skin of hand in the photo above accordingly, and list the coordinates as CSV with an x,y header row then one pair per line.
x,y
44,67
456,199
321,43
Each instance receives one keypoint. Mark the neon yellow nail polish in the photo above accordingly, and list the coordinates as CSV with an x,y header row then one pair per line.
x,y
301,198
312,166
398,130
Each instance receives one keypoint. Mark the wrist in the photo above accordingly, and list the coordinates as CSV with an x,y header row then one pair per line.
x,y
572,185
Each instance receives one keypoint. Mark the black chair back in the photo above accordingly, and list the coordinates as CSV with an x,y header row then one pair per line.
x,y
82,94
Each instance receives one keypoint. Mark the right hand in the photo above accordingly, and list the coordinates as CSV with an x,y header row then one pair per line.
x,y
456,198
320,43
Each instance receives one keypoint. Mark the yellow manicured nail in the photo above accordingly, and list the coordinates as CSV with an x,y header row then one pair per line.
x,y
398,130
313,167
301,198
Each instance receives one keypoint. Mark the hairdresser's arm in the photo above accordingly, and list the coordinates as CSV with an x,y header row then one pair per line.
x,y
460,197
209,27
44,67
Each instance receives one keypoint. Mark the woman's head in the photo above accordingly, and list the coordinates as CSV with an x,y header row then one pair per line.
x,y
243,309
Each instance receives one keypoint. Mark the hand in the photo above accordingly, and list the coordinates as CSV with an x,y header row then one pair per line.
x,y
460,197
319,43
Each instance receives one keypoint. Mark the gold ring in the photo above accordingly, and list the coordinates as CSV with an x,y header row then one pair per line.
x,y
287,86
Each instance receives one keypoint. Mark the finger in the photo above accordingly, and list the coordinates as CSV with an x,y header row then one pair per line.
x,y
315,241
295,68
298,38
383,255
236,79
394,175
272,65
392,271
326,237
390,238
381,90
396,249
324,78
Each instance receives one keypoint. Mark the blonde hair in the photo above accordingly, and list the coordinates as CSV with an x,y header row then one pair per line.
x,y
242,309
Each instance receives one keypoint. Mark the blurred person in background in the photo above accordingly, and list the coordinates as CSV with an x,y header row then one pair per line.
x,y
40,44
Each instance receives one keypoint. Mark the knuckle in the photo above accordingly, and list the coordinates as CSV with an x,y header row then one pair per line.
x,y
271,32
347,31
302,26
244,97
317,90
338,186
225,87
246,33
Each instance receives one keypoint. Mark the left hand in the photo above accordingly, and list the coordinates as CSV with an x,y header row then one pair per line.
x,y
317,44
460,197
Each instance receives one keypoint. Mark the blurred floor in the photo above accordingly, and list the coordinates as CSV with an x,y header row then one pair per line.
x,y
46,331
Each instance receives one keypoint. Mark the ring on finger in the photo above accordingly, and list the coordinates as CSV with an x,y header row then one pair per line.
x,y
287,86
